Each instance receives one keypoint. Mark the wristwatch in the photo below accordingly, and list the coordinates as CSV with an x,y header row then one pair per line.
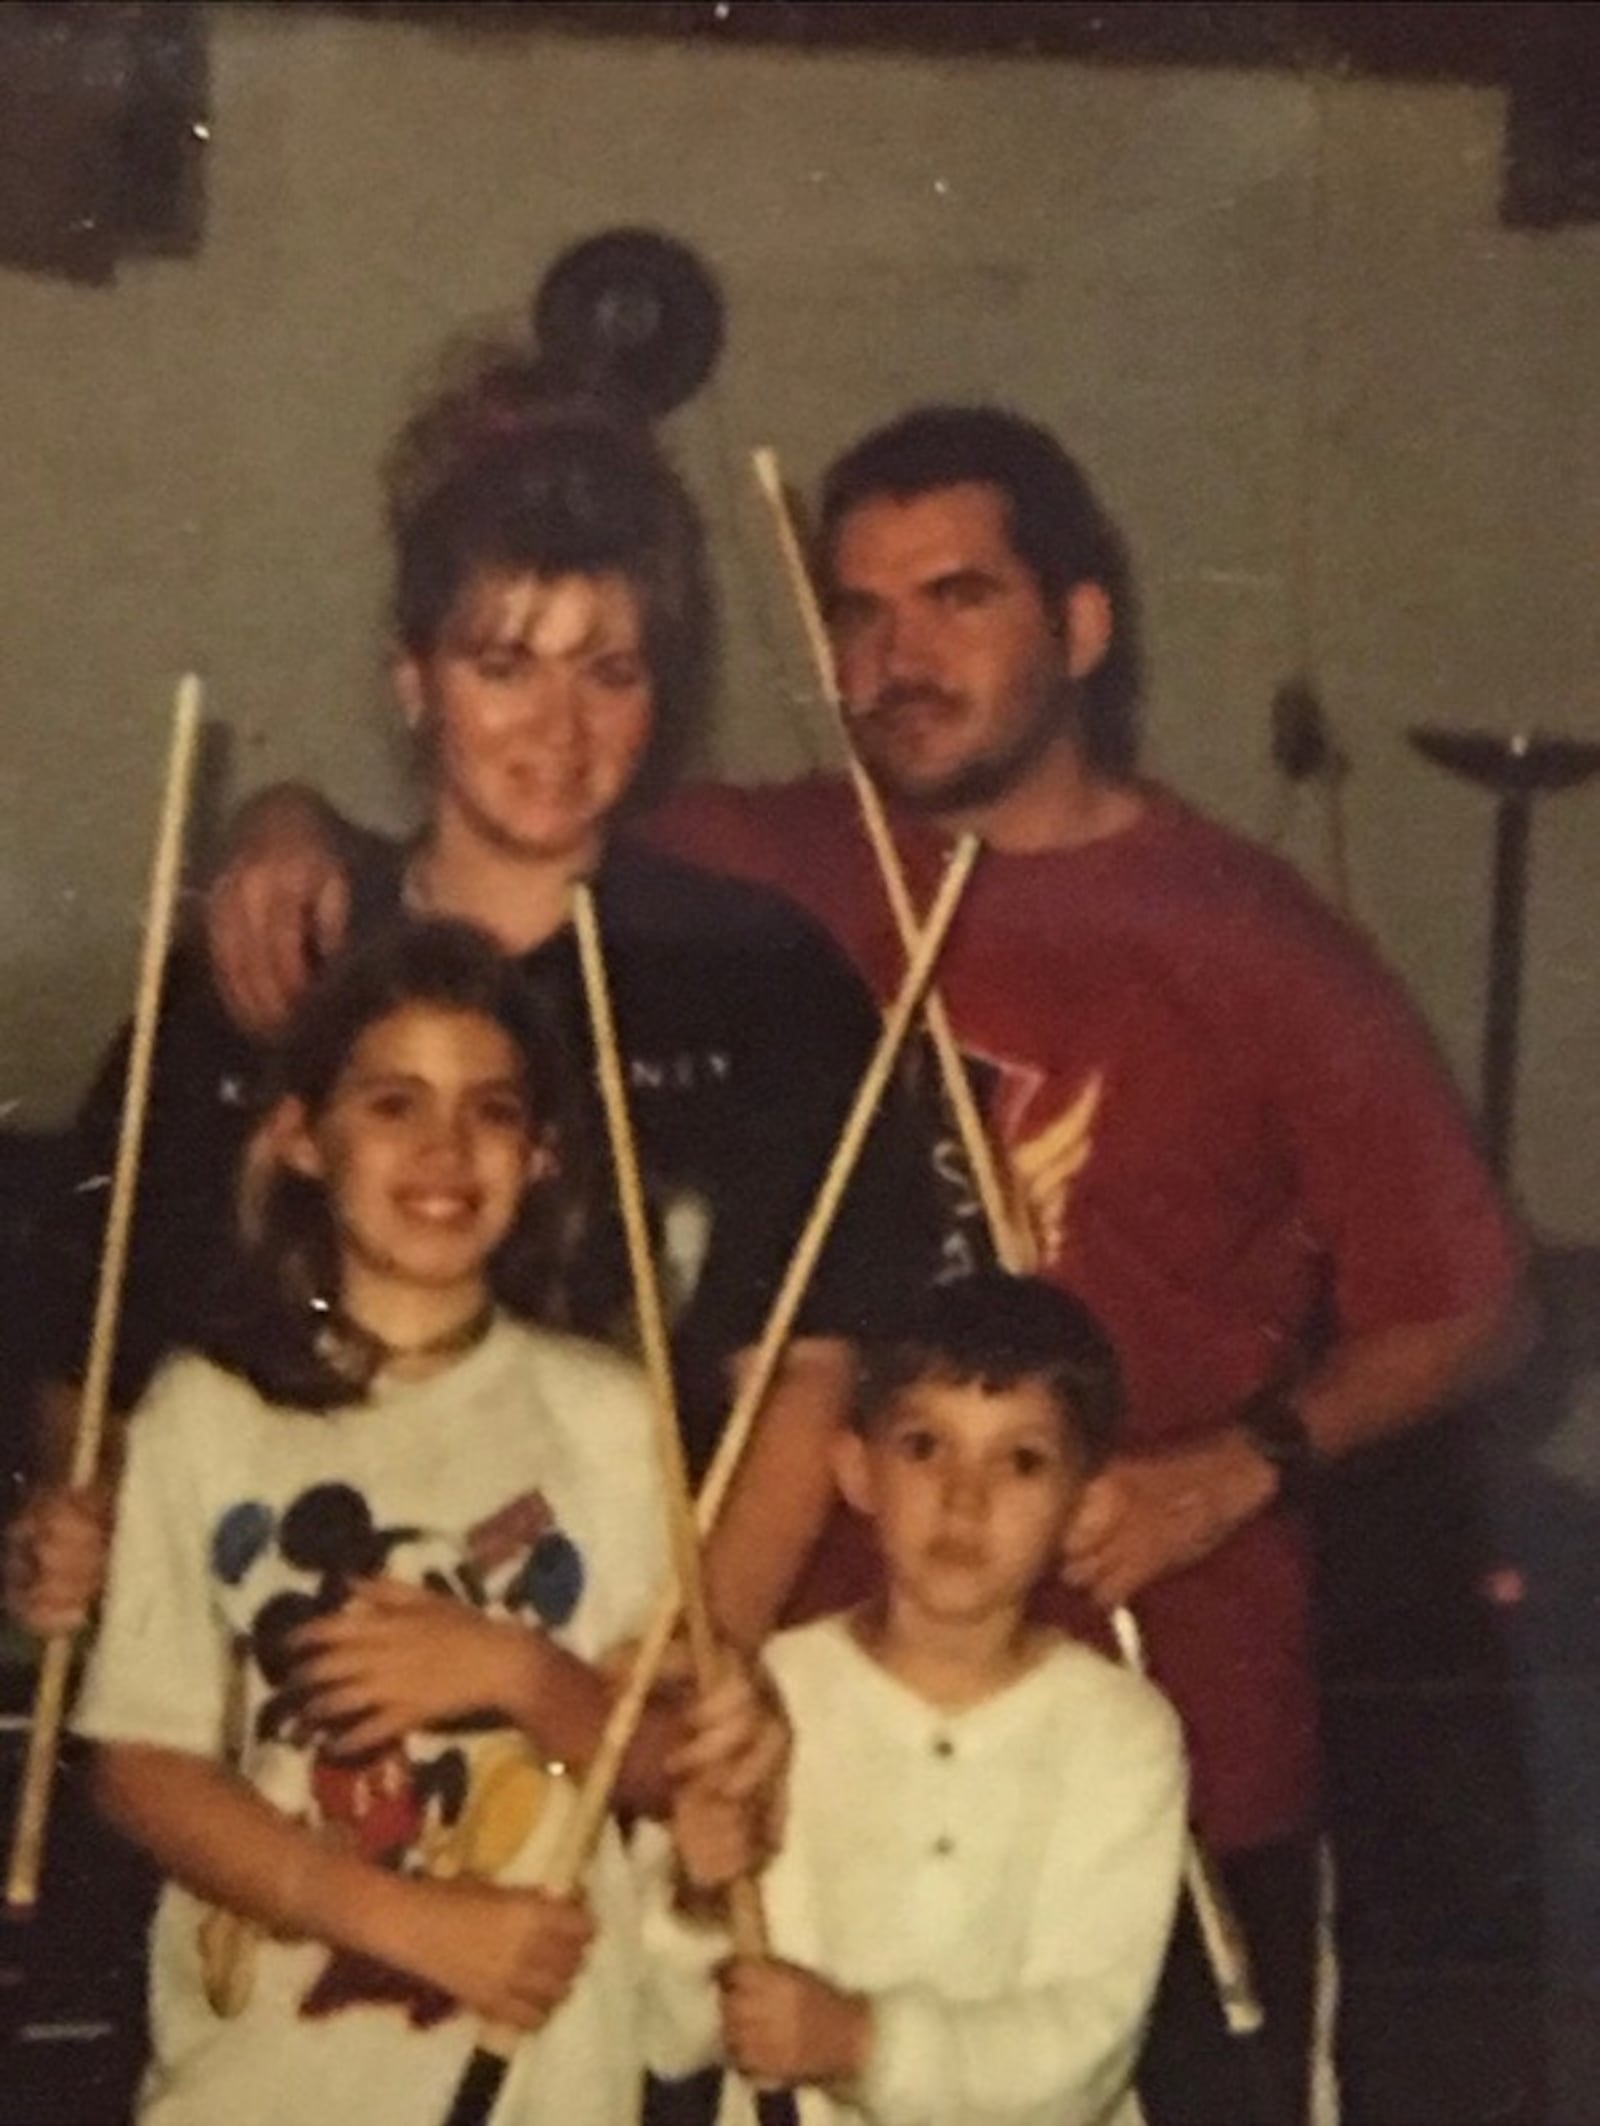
x,y
1273,1425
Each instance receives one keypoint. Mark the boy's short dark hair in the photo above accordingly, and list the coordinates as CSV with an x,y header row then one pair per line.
x,y
1058,528
994,1332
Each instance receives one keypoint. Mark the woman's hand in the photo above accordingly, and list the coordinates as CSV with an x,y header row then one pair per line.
x,y
396,1658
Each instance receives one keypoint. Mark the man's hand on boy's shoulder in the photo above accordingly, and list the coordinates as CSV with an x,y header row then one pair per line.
x,y
1145,1516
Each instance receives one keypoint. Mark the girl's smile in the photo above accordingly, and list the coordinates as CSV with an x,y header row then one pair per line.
x,y
426,1148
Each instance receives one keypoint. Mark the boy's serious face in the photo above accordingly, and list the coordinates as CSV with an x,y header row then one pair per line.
x,y
970,1493
426,1148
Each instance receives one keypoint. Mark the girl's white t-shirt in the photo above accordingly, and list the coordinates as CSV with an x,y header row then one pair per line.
x,y
523,1479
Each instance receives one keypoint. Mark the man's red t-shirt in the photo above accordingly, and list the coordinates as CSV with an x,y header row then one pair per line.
x,y
1219,1107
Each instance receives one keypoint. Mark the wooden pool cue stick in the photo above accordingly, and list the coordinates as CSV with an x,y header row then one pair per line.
x,y
780,1321
1013,1243
746,1920
1226,1950
50,1693
655,1349
486,2069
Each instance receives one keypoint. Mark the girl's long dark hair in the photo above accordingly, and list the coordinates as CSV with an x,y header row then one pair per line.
x,y
275,1321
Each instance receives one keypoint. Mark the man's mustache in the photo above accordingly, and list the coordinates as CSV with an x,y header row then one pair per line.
x,y
904,694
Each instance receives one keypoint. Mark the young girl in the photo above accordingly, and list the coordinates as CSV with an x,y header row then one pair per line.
x,y
360,1543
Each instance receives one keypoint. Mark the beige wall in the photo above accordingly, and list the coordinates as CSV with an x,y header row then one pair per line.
x,y
1351,425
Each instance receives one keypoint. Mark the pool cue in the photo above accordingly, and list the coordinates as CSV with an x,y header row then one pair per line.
x,y
1226,1950
984,1167
486,2068
775,2106
49,1704
1013,1242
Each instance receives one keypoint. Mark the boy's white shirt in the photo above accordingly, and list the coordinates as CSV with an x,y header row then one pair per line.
x,y
999,1881
525,1414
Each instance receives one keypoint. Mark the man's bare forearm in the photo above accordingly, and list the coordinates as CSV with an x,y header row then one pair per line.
x,y
1372,1386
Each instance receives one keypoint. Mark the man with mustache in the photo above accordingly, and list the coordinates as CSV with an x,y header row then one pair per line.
x,y
1228,1130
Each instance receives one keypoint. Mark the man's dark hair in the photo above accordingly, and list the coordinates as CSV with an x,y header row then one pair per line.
x,y
994,1332
555,488
272,1321
1057,525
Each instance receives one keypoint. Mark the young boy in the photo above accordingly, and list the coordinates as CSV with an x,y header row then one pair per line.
x,y
985,1820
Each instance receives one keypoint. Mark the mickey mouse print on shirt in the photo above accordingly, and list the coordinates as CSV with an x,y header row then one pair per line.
x,y
467,1798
